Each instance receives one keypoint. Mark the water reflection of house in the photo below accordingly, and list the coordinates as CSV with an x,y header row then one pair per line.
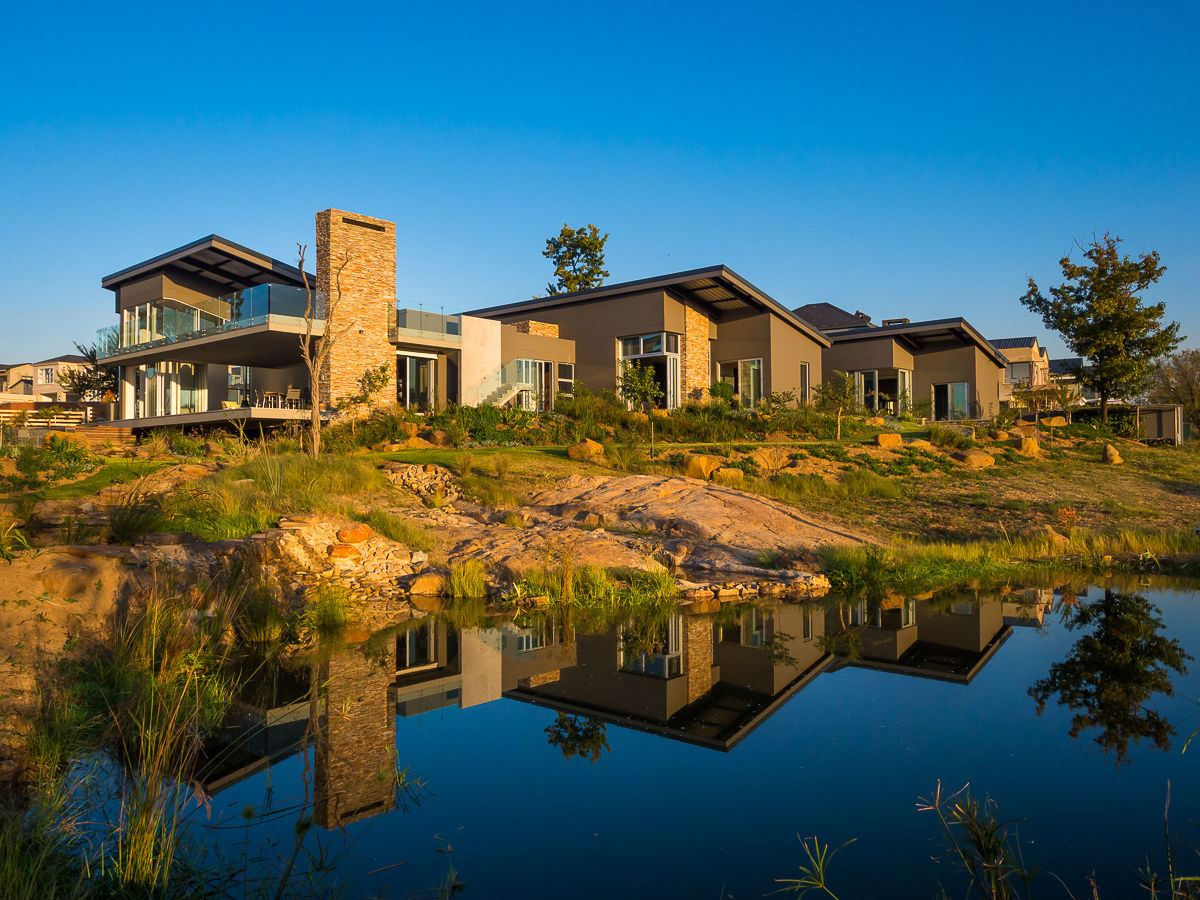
x,y
948,640
701,682
1027,607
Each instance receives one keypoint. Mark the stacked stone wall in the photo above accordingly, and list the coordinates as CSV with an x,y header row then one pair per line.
x,y
356,746
358,253
696,356
698,655
542,329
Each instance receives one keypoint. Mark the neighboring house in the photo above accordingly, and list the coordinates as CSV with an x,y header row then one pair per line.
x,y
212,332
692,328
1066,371
943,368
41,381
1028,365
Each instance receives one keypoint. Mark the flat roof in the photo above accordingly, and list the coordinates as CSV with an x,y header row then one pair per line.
x,y
718,288
217,259
920,336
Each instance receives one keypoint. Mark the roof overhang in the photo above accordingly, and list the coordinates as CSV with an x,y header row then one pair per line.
x,y
230,265
923,337
718,290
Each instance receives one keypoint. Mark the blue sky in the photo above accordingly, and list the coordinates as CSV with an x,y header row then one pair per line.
x,y
903,159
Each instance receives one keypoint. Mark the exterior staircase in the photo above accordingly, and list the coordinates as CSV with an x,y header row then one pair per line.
x,y
499,388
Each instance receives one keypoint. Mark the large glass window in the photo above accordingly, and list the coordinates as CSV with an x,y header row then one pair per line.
x,y
416,648
659,352
415,377
663,660
192,379
746,377
804,396
566,378
1018,373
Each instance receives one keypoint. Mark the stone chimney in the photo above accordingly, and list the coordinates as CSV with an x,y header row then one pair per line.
x,y
359,252
542,329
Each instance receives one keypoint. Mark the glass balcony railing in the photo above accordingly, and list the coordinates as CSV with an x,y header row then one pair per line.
x,y
415,323
163,322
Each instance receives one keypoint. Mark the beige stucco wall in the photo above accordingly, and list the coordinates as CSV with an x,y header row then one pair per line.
x,y
481,357
781,347
596,324
854,356
969,364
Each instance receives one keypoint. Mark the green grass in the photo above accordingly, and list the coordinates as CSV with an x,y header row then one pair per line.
x,y
250,497
402,531
468,580
327,614
911,566
114,471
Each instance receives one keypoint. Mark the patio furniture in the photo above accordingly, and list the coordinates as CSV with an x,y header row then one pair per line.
x,y
293,398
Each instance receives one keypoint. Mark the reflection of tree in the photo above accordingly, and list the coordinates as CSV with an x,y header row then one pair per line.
x,y
1113,671
580,736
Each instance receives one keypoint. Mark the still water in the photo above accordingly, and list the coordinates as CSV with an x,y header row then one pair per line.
x,y
683,757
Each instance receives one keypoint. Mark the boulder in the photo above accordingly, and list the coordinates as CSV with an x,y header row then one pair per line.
x,y
428,583
586,450
701,465
344,551
874,421
1055,422
355,534
1024,431
212,449
192,472
920,444
967,431
975,459
1111,456
889,439
770,459
1028,446
997,434
415,443
729,476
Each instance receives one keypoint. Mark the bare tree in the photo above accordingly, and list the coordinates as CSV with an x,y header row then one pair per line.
x,y
315,348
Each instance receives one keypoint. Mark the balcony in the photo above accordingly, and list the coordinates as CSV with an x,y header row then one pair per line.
x,y
413,324
168,323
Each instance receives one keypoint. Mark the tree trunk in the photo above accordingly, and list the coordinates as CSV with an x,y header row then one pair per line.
x,y
839,425
1104,409
314,439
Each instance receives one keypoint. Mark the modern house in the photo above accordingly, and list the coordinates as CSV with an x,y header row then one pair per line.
x,y
41,382
212,332
1028,366
943,368
692,328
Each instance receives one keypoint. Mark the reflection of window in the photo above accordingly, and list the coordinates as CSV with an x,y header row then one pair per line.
x,y
963,608
750,630
415,648
908,613
540,634
856,612
662,660
808,629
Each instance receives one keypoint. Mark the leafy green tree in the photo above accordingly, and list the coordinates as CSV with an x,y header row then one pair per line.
x,y
578,257
1098,312
838,394
1113,671
1176,379
93,380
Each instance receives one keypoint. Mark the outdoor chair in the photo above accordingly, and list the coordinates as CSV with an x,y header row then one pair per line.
x,y
293,398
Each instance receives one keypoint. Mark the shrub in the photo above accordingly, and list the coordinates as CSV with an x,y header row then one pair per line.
x,y
949,438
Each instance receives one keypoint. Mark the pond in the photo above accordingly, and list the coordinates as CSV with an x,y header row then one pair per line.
x,y
686,756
